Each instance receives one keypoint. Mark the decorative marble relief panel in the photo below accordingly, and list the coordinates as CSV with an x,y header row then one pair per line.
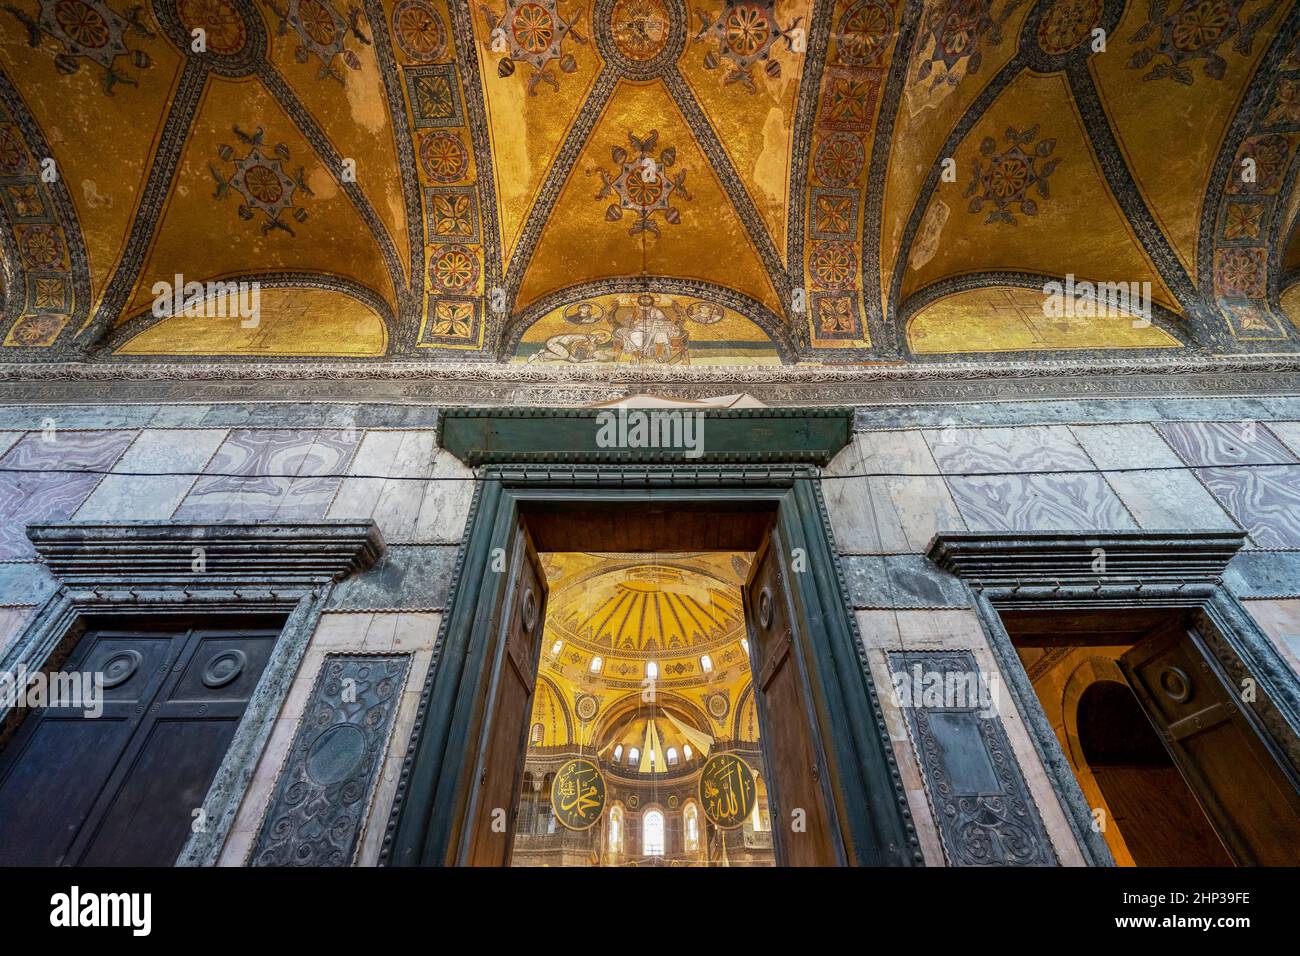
x,y
320,798
982,804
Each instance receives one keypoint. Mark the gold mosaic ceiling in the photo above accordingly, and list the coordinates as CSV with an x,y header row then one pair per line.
x,y
658,182
615,620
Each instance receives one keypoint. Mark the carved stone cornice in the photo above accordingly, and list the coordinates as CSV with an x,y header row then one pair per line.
x,y
1047,559
205,556
490,383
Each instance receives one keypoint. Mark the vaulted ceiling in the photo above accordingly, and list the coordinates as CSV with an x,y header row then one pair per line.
x,y
650,181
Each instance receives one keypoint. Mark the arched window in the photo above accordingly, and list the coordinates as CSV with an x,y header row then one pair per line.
x,y
706,663
652,670
597,663
618,752
556,648
616,829
633,756
652,833
691,827
687,752
539,731
672,756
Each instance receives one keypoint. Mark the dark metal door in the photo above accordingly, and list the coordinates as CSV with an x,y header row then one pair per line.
x,y
122,788
802,814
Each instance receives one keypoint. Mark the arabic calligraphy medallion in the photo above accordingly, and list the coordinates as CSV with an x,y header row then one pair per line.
x,y
727,790
578,794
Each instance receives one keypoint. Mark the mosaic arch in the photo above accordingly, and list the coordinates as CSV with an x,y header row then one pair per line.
x,y
467,164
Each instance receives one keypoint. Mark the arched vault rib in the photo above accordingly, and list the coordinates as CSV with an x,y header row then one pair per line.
x,y
782,338
707,138
162,174
801,140
405,145
477,120
873,212
1122,185
14,298
575,140
986,98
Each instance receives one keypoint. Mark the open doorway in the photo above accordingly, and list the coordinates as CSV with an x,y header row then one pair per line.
x,y
663,674
644,742
1174,770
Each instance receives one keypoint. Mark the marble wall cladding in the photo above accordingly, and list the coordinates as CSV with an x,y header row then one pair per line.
x,y
414,491
889,492
1289,432
1042,448
45,476
1280,620
271,474
12,622
151,479
1225,443
1044,502
1265,501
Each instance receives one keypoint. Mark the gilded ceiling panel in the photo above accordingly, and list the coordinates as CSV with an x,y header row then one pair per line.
x,y
327,57
642,199
289,321
1030,196
252,196
1171,94
837,178
102,116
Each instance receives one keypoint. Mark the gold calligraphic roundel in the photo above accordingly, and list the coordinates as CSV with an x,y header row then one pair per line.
x,y
727,790
578,794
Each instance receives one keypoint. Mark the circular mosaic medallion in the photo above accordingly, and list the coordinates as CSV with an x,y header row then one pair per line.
x,y
705,313
833,264
453,268
864,31
839,159
578,794
42,248
13,155
641,38
584,313
234,33
1068,23
718,706
727,791
82,24
586,707
444,157
747,30
640,28
218,19
37,330
420,31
